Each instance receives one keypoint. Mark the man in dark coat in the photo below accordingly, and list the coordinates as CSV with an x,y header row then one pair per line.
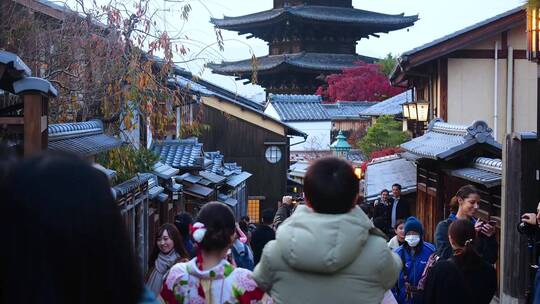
x,y
400,207
284,211
263,234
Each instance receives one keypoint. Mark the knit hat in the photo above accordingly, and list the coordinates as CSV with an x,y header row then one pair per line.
x,y
413,224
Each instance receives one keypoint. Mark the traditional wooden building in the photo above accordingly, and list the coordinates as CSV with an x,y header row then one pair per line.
x,y
449,156
303,112
479,72
307,40
346,116
23,106
240,130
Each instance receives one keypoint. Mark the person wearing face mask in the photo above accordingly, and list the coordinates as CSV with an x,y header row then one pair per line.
x,y
465,205
414,254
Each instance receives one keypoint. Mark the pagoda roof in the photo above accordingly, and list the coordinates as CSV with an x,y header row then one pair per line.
x,y
367,20
310,61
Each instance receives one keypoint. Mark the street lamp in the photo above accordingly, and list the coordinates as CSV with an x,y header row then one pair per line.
x,y
533,31
406,110
413,115
422,110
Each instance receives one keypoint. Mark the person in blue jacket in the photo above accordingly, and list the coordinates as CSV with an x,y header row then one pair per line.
x,y
414,254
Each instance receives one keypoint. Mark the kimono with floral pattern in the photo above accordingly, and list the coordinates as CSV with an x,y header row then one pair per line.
x,y
187,284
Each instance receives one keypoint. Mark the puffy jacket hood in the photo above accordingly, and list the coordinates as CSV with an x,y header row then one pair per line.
x,y
322,243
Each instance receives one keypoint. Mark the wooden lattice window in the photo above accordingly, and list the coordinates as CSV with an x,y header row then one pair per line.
x,y
254,210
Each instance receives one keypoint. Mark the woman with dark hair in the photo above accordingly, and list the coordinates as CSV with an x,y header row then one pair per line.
x,y
63,236
399,237
182,222
210,278
464,278
414,253
168,250
466,203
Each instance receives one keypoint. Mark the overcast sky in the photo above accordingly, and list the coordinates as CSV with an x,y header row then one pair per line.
x,y
437,18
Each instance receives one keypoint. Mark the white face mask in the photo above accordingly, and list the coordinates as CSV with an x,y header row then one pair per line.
x,y
412,240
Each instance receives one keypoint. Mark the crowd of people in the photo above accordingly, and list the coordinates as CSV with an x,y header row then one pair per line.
x,y
67,243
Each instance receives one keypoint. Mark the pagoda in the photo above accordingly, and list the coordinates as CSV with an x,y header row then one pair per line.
x,y
307,39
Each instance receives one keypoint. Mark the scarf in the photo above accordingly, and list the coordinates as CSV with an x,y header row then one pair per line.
x,y
163,263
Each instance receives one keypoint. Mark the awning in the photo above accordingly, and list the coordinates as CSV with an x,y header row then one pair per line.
x,y
198,191
236,180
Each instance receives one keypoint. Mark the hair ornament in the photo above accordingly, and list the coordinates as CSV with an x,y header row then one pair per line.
x,y
198,230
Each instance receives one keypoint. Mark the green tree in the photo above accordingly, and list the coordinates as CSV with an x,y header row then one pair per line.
x,y
387,64
385,133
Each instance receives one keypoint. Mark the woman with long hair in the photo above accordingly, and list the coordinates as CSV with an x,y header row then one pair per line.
x,y
464,206
209,277
63,237
465,277
168,250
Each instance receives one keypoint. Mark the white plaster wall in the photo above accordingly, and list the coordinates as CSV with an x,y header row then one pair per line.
x,y
470,93
318,135
470,90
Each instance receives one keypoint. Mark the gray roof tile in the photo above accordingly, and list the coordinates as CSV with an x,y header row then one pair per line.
x,y
81,138
390,106
443,140
314,61
482,170
376,22
180,154
299,107
347,109
383,172
129,185
198,191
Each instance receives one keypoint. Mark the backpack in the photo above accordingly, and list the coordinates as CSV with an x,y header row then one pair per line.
x,y
243,259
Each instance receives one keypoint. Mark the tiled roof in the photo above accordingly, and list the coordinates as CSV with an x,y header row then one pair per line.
x,y
299,107
464,30
443,140
237,179
205,88
313,61
81,138
16,77
164,171
226,199
390,106
198,191
180,154
299,169
375,22
346,109
219,171
127,186
383,172
404,58
110,173
482,170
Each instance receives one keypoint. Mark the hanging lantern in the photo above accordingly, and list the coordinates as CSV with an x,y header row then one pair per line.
x,y
413,115
406,110
533,30
358,172
422,110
